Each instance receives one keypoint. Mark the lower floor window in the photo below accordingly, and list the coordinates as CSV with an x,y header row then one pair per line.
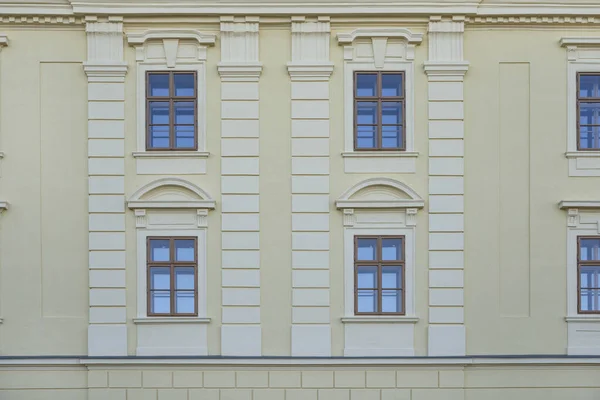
x,y
379,275
588,265
172,276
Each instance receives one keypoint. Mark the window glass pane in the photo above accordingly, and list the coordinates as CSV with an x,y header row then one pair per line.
x,y
391,277
391,85
589,113
367,301
184,302
367,277
366,137
160,302
184,136
184,85
589,249
160,278
159,250
184,113
159,136
589,137
391,137
588,85
158,85
366,85
589,277
590,300
184,278
366,113
185,250
159,113
391,301
391,113
367,249
391,249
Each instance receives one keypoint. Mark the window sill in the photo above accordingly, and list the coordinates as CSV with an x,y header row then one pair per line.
x,y
584,318
170,154
583,163
380,319
377,154
171,320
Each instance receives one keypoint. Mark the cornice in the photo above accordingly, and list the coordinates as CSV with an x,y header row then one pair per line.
x,y
580,204
140,38
583,41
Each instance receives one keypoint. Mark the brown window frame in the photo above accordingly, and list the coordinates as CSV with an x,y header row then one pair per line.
x,y
171,99
172,264
585,100
380,263
380,99
580,264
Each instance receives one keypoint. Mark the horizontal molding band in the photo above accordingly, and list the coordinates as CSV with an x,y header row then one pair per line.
x,y
219,361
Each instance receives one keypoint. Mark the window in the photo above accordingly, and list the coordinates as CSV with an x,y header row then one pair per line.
x,y
379,105
588,111
588,271
172,276
171,104
379,275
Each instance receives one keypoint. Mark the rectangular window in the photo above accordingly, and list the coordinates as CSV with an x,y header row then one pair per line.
x,y
588,274
588,111
379,108
379,275
172,276
172,112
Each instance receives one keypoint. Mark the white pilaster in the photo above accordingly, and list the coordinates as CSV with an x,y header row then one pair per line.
x,y
106,69
446,69
309,71
240,71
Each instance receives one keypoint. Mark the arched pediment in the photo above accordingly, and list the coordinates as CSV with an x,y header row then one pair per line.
x,y
380,193
170,193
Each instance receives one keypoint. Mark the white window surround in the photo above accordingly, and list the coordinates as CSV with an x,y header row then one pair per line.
x,y
171,207
379,206
583,55
171,50
583,219
379,49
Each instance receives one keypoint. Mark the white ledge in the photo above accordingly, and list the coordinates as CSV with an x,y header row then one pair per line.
x,y
583,318
589,204
3,206
195,204
377,154
170,154
341,204
310,71
248,72
580,41
171,320
456,68
580,153
378,319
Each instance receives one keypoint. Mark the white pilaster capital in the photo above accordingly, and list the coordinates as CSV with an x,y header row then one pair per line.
x,y
310,49
446,46
239,49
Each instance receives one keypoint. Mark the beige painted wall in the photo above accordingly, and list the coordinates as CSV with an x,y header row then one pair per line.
x,y
43,131
515,175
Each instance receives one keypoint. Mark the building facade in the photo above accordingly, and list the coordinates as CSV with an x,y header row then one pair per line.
x,y
281,200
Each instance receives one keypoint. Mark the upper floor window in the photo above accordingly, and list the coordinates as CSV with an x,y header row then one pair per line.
x,y
379,104
379,275
588,271
172,276
588,109
171,109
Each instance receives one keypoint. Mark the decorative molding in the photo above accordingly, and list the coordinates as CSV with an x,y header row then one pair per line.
x,y
3,206
378,193
239,49
105,41
140,218
3,41
310,49
572,217
349,217
380,319
411,217
202,218
380,39
446,40
171,39
187,196
41,20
